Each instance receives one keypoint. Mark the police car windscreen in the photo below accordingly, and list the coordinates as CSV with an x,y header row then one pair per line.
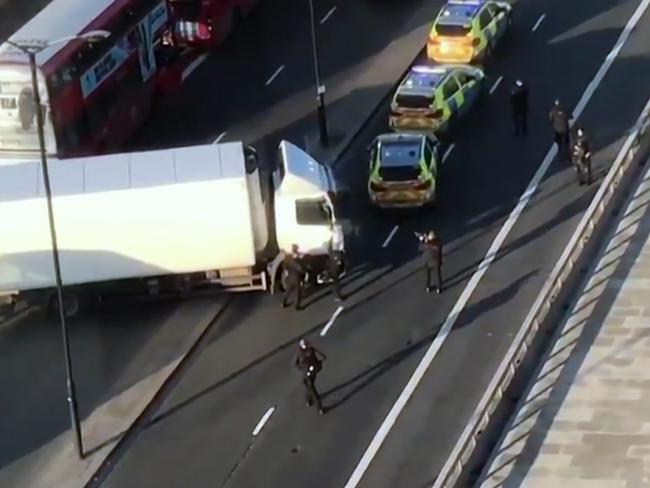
x,y
452,30
411,100
400,160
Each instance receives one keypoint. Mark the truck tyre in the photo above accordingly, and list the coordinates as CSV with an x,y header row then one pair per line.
x,y
73,304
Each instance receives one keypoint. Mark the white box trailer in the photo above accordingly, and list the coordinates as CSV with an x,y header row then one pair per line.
x,y
164,221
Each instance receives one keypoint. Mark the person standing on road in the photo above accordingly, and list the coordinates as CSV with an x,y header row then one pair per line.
x,y
519,103
309,361
581,156
560,119
335,267
431,250
295,270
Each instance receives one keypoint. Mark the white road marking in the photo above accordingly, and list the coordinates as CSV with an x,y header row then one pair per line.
x,y
330,322
496,85
432,351
193,65
327,15
390,236
448,152
539,21
218,139
274,75
263,421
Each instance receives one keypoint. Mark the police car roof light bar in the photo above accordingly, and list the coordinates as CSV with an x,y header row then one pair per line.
x,y
423,68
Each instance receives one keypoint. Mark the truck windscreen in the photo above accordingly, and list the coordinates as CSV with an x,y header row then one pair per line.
x,y
312,212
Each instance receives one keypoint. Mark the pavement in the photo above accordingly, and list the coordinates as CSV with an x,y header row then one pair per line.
x,y
201,431
584,421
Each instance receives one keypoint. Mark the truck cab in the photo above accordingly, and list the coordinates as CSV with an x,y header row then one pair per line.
x,y
303,209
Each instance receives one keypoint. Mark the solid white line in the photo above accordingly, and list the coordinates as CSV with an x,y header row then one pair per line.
x,y
273,76
327,15
539,21
390,236
193,65
263,421
445,330
330,322
496,85
448,152
218,139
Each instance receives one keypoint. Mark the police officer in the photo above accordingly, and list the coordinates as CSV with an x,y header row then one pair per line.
x,y
335,265
309,361
581,156
560,119
519,103
294,267
431,249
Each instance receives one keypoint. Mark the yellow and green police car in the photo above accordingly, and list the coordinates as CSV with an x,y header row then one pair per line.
x,y
466,31
431,98
403,170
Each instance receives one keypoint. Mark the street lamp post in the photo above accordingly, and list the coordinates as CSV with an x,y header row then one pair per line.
x,y
320,89
31,49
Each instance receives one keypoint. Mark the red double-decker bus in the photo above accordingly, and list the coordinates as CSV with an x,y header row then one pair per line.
x,y
97,95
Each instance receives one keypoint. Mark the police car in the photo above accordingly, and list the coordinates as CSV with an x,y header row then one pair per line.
x,y
468,30
403,170
431,98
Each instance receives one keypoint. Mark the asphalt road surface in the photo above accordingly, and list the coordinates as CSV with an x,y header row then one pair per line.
x,y
116,348
16,13
203,434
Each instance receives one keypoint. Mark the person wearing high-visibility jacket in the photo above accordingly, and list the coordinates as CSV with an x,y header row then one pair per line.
x,y
581,156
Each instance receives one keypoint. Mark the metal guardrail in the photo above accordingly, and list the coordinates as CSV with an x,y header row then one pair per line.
x,y
464,448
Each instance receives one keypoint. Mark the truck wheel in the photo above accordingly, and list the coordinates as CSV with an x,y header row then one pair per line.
x,y
73,304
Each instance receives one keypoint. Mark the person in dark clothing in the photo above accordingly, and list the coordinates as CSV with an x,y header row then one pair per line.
x,y
560,119
581,156
335,265
519,103
309,361
295,270
431,249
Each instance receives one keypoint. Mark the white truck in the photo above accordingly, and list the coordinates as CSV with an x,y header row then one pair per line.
x,y
164,221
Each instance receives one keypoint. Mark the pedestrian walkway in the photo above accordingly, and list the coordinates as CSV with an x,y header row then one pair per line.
x,y
585,420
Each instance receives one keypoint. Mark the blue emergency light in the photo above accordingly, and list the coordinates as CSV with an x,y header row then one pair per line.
x,y
422,68
475,3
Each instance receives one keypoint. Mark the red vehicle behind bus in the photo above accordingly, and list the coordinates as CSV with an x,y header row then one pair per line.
x,y
97,95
